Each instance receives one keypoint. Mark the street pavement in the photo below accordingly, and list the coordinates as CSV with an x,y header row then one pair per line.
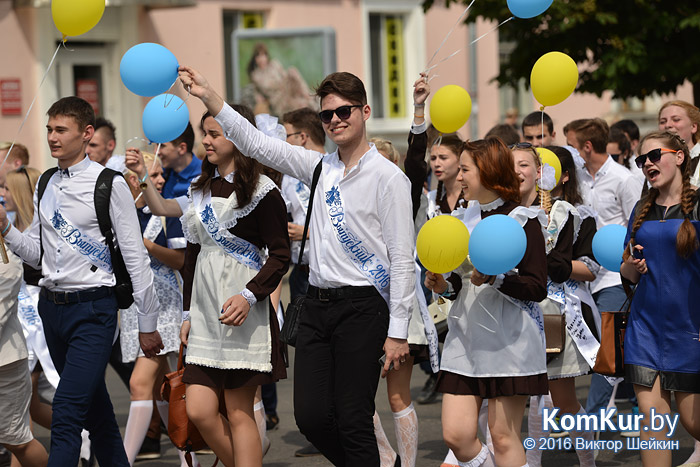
x,y
286,439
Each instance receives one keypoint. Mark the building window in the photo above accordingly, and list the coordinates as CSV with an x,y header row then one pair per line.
x,y
388,70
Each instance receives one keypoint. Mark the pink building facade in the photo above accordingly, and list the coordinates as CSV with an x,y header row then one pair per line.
x,y
387,43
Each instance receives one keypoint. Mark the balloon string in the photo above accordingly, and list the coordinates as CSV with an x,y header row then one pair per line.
x,y
542,124
427,70
188,96
155,157
484,35
448,35
46,73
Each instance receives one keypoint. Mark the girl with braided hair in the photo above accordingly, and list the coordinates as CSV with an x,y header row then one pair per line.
x,y
561,223
662,352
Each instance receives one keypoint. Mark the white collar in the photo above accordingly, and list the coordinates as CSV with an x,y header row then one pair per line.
x,y
75,169
695,151
497,203
228,178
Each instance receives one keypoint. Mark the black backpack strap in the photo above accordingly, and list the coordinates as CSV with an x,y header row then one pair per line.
x,y
40,189
314,183
103,192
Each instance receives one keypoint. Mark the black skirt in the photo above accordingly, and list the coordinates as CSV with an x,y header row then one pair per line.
x,y
220,378
670,380
491,387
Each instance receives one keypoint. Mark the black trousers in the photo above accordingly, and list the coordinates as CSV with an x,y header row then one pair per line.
x,y
336,373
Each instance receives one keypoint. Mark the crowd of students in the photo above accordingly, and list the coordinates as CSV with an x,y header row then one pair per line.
x,y
204,246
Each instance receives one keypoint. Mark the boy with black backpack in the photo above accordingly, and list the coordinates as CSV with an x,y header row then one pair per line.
x,y
84,233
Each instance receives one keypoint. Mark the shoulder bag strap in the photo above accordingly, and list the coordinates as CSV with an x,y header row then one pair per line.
x,y
314,183
41,188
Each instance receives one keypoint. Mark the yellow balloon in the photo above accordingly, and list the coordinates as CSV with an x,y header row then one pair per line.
x,y
442,244
554,77
450,108
76,17
551,159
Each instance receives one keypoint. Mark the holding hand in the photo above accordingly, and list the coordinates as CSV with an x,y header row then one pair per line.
x,y
396,351
479,278
296,232
235,311
421,90
134,162
435,282
151,343
185,332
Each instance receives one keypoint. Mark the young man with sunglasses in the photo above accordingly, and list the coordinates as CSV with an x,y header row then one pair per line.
x,y
612,192
362,241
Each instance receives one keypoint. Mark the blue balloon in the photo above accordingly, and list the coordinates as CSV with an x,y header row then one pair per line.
x,y
148,69
528,8
165,118
497,244
608,246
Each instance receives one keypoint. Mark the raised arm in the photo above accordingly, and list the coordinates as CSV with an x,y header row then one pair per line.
x,y
158,205
415,165
291,160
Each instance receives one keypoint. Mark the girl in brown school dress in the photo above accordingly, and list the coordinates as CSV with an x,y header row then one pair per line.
x,y
494,346
232,338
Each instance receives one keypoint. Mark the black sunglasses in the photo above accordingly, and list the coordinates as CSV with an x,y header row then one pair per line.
x,y
523,145
654,155
23,169
343,112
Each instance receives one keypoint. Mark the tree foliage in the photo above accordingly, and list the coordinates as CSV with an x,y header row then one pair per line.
x,y
630,47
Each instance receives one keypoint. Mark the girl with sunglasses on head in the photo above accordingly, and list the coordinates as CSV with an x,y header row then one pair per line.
x,y
662,352
561,222
493,349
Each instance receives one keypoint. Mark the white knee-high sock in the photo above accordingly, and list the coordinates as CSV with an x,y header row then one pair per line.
x,y
387,456
586,457
136,427
258,409
163,407
534,428
406,429
695,456
85,445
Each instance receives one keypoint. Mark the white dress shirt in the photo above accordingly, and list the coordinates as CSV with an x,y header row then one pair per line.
x,y
612,195
377,197
295,208
63,268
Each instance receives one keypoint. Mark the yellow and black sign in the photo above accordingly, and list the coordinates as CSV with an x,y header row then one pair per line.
x,y
393,28
252,20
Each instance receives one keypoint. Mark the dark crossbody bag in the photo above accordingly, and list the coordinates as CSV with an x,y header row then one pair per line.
x,y
292,316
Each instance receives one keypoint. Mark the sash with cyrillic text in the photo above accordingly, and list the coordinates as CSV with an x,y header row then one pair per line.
x,y
241,250
93,250
366,261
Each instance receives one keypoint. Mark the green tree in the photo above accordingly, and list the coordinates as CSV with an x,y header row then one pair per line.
x,y
630,47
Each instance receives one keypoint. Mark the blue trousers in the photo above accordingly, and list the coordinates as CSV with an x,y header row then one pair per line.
x,y
79,337
608,299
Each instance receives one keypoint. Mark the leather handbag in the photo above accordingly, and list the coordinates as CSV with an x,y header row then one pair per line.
x,y
292,315
554,333
182,432
611,356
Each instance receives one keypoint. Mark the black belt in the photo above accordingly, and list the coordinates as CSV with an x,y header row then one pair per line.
x,y
303,268
341,293
65,298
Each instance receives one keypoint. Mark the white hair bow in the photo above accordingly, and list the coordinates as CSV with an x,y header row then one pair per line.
x,y
270,126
